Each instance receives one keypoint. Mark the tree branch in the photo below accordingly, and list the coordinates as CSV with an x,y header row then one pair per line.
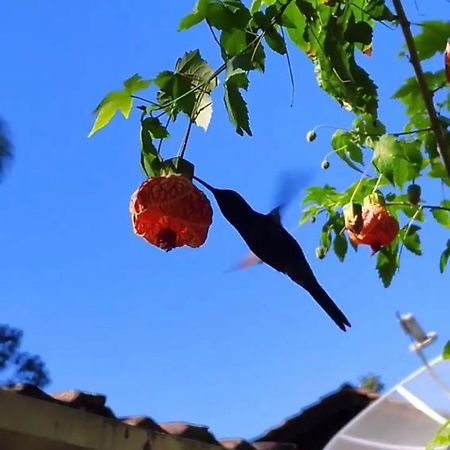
x,y
443,148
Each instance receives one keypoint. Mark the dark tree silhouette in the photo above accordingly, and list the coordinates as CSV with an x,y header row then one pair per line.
x,y
372,383
17,366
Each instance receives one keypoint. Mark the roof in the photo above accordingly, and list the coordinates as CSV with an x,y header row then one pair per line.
x,y
311,429
314,426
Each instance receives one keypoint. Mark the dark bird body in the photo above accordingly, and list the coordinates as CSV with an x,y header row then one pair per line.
x,y
271,243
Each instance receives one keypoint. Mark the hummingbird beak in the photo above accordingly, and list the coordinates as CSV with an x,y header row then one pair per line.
x,y
204,183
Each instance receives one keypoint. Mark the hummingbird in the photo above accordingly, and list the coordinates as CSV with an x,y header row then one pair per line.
x,y
271,243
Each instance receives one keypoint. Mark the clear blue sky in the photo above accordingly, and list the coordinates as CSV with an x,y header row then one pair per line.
x,y
172,335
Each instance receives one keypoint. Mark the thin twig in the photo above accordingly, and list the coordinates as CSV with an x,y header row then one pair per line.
x,y
291,74
216,39
186,139
413,218
410,205
427,96
142,99
161,140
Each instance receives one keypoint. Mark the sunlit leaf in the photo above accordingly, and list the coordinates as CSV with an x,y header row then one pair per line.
x,y
118,101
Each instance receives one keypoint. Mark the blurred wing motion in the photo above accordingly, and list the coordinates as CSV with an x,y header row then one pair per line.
x,y
5,147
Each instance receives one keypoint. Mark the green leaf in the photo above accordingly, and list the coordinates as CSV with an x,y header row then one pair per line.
x,y
410,96
446,351
321,195
377,10
195,17
151,162
432,39
444,258
442,439
188,89
233,42
387,263
359,32
345,147
235,104
442,216
411,239
340,246
118,101
276,42
385,155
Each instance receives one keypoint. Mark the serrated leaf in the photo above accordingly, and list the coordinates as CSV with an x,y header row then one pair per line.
x,y
432,39
446,351
340,246
442,216
321,195
387,263
411,239
444,258
234,102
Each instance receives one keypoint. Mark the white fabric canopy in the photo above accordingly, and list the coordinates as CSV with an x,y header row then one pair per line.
x,y
406,418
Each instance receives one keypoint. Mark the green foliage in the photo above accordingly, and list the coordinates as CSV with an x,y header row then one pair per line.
x,y
432,39
335,35
388,263
444,258
443,216
410,238
442,439
19,366
117,101
446,351
187,89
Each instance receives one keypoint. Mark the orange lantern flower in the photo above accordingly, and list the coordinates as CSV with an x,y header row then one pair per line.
x,y
170,212
372,224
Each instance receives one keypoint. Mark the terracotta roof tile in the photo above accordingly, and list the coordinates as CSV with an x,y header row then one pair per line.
x,y
236,444
198,433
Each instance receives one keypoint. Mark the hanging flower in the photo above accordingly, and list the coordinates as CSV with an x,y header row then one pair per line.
x,y
372,224
169,212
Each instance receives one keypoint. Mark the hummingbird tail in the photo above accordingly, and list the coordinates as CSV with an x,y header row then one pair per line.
x,y
324,300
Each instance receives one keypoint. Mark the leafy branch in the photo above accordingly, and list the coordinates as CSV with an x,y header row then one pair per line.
x,y
443,148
